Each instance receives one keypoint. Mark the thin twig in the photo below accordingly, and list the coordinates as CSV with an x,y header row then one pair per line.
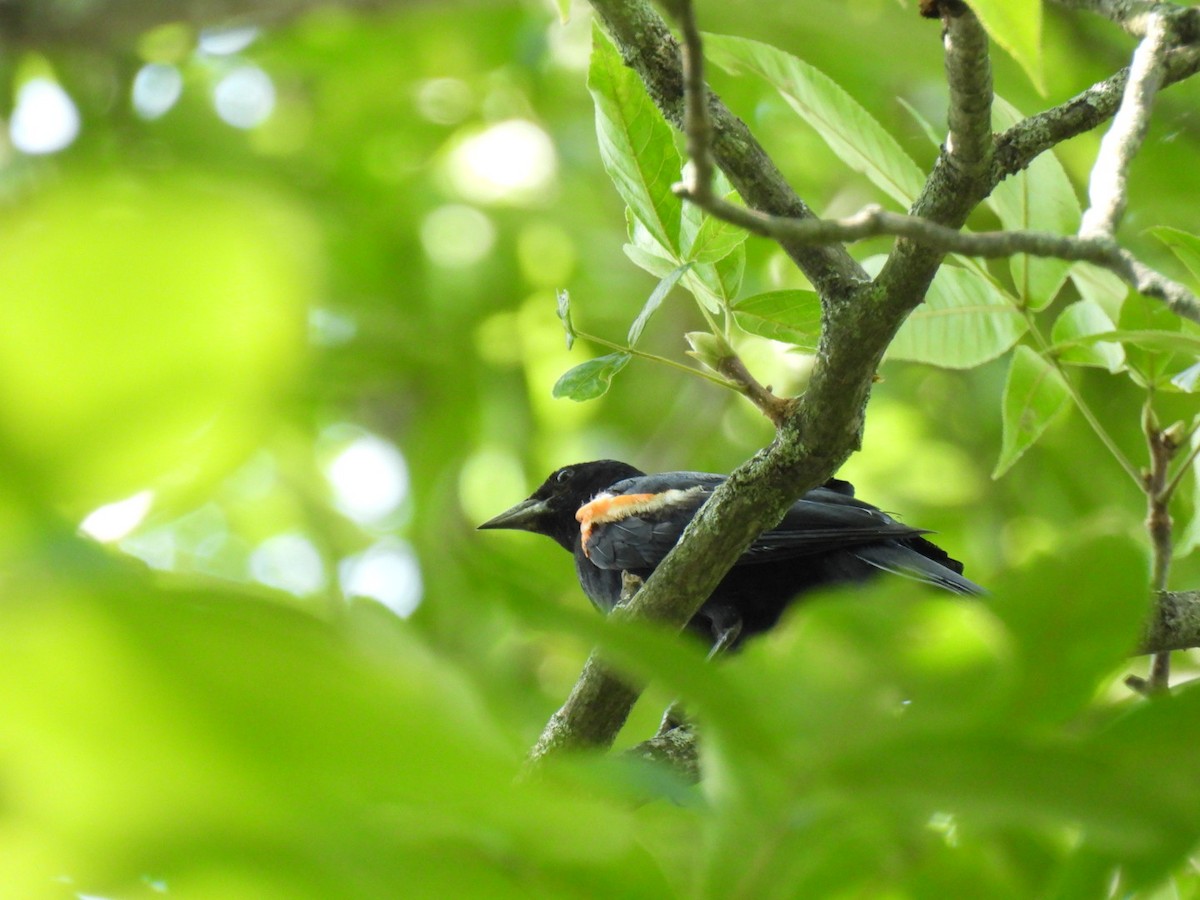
x,y
1182,471
654,357
1080,403
697,126
1017,147
697,129
1134,15
1107,189
874,221
1158,525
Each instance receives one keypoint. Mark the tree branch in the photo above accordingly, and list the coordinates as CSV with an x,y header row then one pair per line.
x,y
969,77
824,426
1107,192
860,318
1135,15
1017,147
678,748
648,47
874,221
1175,624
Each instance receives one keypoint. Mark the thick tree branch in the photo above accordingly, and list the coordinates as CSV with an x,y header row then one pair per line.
x,y
678,748
594,712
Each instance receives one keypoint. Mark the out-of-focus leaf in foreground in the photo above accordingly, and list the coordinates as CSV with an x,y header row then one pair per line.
x,y
229,746
150,326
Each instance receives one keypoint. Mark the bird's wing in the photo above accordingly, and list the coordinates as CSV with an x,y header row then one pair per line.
x,y
824,520
636,522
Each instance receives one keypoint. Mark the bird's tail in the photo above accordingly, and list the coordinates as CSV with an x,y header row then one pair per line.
x,y
911,563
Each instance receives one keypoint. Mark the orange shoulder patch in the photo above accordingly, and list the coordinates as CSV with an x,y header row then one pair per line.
x,y
604,508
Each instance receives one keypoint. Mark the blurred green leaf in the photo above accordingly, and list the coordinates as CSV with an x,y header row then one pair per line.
x,y
849,130
590,379
1034,395
1153,336
138,756
658,266
150,327
1101,287
1080,636
635,143
793,316
964,322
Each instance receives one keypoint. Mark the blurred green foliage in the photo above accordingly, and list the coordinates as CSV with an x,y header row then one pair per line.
x,y
307,353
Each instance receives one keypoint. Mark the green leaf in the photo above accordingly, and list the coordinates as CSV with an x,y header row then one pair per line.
x,y
591,379
658,266
1184,245
1040,198
655,300
964,322
715,285
706,239
1039,604
636,145
1152,335
149,326
564,315
1033,395
1082,320
849,130
924,124
1188,379
1168,732
1158,341
715,240
793,316
1016,25
1100,286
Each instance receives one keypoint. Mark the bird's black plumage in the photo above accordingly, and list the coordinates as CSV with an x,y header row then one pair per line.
x,y
612,517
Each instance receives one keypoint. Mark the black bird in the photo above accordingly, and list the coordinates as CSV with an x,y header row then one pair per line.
x,y
613,518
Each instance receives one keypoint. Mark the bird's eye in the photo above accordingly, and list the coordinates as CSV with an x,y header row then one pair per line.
x,y
564,475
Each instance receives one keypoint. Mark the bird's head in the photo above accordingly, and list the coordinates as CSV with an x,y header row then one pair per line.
x,y
550,510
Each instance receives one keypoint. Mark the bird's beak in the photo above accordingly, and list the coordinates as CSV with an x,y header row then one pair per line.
x,y
525,516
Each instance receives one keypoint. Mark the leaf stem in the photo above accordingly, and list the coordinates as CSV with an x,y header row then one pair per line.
x,y
654,357
1105,438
